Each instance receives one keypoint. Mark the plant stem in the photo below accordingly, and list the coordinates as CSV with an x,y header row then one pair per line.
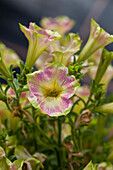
x,y
73,138
59,142
8,106
59,132
43,133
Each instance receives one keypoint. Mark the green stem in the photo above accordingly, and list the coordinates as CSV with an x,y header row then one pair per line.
x,y
0,126
8,106
59,142
15,89
59,132
73,138
90,96
79,139
43,133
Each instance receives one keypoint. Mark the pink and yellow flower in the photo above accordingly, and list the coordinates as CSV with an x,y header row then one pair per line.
x,y
62,24
9,56
98,38
51,89
65,48
39,39
61,50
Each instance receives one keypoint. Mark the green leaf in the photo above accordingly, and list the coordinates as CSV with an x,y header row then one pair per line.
x,y
10,84
4,165
24,89
90,166
21,153
16,83
2,153
18,164
34,162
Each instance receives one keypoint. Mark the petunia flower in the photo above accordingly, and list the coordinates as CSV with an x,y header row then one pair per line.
x,y
62,24
51,89
64,49
61,50
39,39
98,38
9,56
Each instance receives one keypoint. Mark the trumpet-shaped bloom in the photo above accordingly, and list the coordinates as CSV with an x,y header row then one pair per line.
x,y
39,39
62,24
61,50
98,38
9,56
65,48
51,89
106,108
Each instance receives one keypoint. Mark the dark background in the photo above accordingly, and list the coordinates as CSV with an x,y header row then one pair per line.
x,y
13,12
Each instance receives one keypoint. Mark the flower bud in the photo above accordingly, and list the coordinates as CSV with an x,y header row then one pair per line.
x,y
106,108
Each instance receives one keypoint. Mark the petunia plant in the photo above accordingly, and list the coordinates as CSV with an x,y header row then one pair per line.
x,y
51,115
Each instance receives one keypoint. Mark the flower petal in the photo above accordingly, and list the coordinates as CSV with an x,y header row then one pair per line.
x,y
35,99
65,105
98,39
39,39
62,24
50,106
66,47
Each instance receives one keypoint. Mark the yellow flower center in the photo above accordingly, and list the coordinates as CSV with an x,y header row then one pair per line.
x,y
52,92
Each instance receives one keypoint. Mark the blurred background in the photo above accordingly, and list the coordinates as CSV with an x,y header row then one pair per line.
x,y
13,12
